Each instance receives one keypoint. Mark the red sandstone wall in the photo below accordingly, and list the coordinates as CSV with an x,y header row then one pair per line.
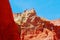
x,y
8,28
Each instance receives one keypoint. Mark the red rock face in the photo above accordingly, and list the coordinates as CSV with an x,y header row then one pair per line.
x,y
37,28
8,28
57,30
56,26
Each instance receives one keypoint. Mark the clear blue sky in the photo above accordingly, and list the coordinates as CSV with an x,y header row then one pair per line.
x,y
49,9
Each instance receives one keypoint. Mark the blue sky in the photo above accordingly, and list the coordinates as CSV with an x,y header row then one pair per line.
x,y
49,9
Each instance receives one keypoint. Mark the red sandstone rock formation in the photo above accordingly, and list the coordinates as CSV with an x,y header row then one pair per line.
x,y
36,28
8,28
56,26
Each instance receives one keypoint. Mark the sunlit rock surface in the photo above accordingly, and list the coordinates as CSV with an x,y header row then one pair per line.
x,y
56,22
32,27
